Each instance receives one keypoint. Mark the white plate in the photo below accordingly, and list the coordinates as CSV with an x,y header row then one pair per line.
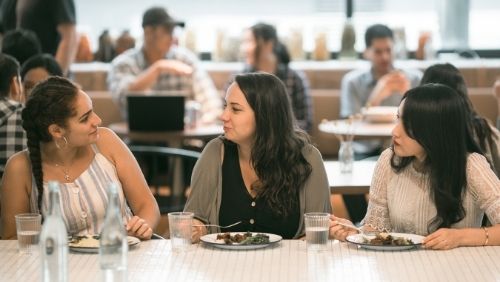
x,y
132,241
380,114
358,239
211,239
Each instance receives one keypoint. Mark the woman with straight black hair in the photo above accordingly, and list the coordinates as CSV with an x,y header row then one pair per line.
x,y
433,181
485,134
263,171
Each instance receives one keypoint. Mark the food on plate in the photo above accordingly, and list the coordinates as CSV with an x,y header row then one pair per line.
x,y
247,238
384,239
92,241
85,241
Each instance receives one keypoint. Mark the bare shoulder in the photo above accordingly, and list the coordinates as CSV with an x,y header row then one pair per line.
x,y
109,143
108,140
17,170
19,164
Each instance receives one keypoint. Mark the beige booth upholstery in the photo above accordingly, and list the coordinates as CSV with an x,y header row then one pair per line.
x,y
485,103
326,103
105,107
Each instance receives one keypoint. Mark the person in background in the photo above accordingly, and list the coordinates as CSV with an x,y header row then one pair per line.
x,y
66,144
21,44
236,177
38,68
380,85
54,22
433,181
486,135
12,135
264,52
161,66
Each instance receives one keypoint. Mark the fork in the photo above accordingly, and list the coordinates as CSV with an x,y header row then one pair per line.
x,y
361,231
216,225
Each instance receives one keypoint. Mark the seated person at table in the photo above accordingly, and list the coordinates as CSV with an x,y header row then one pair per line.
x,y
380,85
263,171
486,135
65,144
38,68
264,52
162,66
12,136
433,181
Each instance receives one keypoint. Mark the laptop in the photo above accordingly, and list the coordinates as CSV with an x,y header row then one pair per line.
x,y
155,112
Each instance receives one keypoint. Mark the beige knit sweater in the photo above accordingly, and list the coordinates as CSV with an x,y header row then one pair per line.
x,y
401,202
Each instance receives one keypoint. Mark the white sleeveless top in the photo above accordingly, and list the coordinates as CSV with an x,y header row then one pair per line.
x,y
84,201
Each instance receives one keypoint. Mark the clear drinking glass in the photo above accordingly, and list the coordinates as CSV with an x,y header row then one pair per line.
x,y
317,227
28,227
180,224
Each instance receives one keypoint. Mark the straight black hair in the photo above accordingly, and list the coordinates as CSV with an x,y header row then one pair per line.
x,y
435,116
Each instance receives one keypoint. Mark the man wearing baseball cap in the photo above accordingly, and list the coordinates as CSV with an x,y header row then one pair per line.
x,y
160,65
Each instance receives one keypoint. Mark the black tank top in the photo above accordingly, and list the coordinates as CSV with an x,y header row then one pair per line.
x,y
237,204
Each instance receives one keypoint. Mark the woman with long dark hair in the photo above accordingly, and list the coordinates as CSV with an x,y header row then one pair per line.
x,y
263,171
66,144
433,181
485,134
264,52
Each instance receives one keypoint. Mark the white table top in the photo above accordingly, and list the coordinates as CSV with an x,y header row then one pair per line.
x,y
356,182
357,128
287,261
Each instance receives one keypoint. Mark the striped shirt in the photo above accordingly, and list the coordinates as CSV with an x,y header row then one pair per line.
x,y
402,202
84,201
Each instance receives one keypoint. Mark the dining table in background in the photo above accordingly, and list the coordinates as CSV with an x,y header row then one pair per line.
x,y
286,261
356,182
174,139
358,128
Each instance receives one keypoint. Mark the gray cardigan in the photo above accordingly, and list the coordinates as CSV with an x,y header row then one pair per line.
x,y
206,184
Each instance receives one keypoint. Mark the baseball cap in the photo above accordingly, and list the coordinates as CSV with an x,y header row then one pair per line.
x,y
157,16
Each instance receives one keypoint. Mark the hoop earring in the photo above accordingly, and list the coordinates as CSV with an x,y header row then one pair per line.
x,y
65,143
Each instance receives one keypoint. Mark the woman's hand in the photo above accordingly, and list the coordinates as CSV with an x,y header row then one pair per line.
x,y
442,239
139,228
340,232
199,229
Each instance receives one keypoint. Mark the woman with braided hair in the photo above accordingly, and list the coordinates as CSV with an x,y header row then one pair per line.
x,y
65,143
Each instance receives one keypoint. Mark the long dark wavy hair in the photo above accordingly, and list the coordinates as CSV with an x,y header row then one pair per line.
x,y
449,75
51,102
436,117
267,33
277,150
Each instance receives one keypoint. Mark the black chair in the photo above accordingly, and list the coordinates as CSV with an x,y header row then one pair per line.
x,y
164,166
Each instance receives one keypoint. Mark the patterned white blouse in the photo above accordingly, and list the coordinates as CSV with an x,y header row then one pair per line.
x,y
84,201
401,202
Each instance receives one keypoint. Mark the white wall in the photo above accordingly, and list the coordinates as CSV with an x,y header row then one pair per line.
x,y
205,17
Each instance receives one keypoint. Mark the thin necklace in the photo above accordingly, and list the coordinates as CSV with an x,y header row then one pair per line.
x,y
64,170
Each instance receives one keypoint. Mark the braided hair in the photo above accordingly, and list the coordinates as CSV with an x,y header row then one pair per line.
x,y
50,102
